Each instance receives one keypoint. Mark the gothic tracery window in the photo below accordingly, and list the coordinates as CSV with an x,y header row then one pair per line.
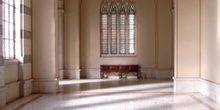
x,y
118,27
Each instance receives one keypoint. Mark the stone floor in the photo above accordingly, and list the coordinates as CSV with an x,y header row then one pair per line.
x,y
115,94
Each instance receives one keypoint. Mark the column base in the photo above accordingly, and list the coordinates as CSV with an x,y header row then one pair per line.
x,y
91,73
45,85
71,74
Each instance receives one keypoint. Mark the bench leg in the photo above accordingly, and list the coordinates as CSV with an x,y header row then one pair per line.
x,y
121,75
102,75
105,75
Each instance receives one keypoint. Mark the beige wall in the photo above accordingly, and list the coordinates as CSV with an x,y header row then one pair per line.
x,y
165,35
187,39
90,34
153,32
211,40
44,27
72,34
145,22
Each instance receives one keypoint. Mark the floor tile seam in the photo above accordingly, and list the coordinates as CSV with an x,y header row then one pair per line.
x,y
28,102
202,102
115,93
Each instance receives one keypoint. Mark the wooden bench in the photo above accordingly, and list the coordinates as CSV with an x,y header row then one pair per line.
x,y
121,69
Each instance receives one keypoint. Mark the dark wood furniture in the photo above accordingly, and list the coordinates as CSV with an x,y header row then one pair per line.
x,y
123,70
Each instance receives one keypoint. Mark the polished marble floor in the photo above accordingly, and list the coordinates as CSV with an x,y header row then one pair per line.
x,y
115,94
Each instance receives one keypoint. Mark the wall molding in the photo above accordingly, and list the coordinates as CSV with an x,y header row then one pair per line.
x,y
11,62
156,73
13,84
45,85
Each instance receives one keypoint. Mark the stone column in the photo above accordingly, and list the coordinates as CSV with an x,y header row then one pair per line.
x,y
72,39
45,46
60,37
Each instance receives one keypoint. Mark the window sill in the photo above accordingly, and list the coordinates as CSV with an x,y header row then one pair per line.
x,y
118,55
10,62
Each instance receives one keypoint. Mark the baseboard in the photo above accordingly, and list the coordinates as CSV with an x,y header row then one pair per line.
x,y
186,85
70,74
156,73
210,89
90,73
45,85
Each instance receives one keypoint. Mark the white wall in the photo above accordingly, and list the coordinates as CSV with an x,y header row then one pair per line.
x,y
210,40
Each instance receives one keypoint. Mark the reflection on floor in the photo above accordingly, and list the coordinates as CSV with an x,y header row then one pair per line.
x,y
115,94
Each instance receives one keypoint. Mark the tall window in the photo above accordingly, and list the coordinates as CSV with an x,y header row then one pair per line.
x,y
118,27
11,26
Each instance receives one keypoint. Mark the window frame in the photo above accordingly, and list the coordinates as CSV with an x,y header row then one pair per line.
x,y
16,29
119,3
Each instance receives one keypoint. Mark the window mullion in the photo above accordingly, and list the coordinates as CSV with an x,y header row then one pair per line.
x,y
127,34
109,34
7,41
117,30
113,35
131,35
13,30
3,13
104,32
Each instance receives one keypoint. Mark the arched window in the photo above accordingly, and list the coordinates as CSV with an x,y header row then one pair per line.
x,y
117,27
104,29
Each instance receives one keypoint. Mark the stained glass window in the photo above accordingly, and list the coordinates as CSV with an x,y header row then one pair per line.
x,y
122,30
118,27
104,34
